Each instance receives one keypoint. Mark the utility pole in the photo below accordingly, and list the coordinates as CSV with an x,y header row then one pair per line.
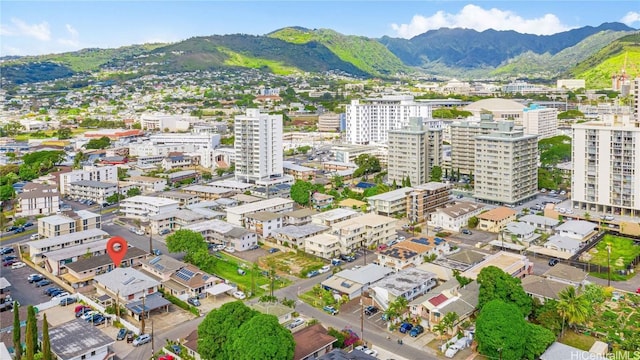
x,y
150,239
609,265
362,314
153,351
142,316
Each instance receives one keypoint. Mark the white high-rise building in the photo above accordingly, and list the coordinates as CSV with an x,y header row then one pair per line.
x,y
370,122
506,170
258,146
413,151
606,166
541,121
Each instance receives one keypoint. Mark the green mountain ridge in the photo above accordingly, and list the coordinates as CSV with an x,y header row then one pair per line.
x,y
366,54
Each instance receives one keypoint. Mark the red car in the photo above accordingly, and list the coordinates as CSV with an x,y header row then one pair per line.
x,y
9,262
166,357
80,308
638,291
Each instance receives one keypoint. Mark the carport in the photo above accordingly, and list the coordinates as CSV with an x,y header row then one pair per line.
x,y
150,303
218,289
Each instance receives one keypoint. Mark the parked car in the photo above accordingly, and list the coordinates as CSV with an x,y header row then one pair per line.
x,y
176,349
345,257
9,262
9,257
61,295
417,330
34,278
18,230
194,301
66,301
130,336
157,252
370,310
43,282
553,262
330,309
254,247
324,269
466,231
27,224
12,228
451,351
239,295
18,265
89,314
273,250
6,250
34,237
122,334
229,249
81,308
166,357
83,312
99,320
406,327
336,262
164,231
139,232
313,273
48,291
371,352
295,323
437,229
142,339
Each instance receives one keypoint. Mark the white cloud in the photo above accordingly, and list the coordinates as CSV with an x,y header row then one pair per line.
x,y
630,18
477,18
73,40
21,28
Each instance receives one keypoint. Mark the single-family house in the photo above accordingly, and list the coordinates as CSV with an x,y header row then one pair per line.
x,y
578,229
81,273
496,219
563,244
321,201
161,266
282,312
190,281
515,265
542,288
542,223
352,282
126,284
411,252
566,274
432,307
312,342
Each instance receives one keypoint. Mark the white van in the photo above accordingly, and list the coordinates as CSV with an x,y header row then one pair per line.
x,y
451,351
324,269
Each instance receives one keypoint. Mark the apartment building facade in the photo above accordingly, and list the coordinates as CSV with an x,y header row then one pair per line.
x,y
97,191
540,120
57,225
506,166
606,167
369,122
258,146
107,173
413,151
142,207
425,199
463,141
37,199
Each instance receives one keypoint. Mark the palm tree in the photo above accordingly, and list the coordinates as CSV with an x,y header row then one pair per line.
x,y
440,328
450,321
573,307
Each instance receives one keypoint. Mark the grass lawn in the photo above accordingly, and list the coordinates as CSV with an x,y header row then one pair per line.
x,y
582,342
295,262
227,267
623,251
310,298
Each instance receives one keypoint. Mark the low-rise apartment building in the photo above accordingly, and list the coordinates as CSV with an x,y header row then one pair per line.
x,y
206,192
97,191
38,248
56,225
148,184
236,215
456,216
295,235
331,217
222,232
390,203
142,207
82,272
496,219
425,199
37,199
263,223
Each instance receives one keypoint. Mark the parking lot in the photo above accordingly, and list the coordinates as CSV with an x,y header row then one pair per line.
x,y
21,290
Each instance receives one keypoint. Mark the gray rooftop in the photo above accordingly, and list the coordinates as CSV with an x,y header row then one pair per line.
x,y
151,302
76,338
126,281
295,167
62,239
561,351
566,272
264,216
301,231
367,274
519,228
335,214
404,280
541,220
164,263
579,227
76,250
301,213
392,195
86,214
465,303
95,184
564,242
206,189
102,260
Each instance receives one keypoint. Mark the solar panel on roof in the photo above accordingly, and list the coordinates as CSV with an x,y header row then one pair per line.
x,y
185,274
129,280
345,284
155,260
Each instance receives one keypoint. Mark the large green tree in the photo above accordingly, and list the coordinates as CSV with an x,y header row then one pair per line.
x,y
187,241
17,342
100,143
31,335
538,340
46,342
500,330
220,326
496,284
64,133
261,337
301,192
7,192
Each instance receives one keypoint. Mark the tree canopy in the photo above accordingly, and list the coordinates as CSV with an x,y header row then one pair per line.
x,y
220,326
554,150
500,329
367,164
301,192
101,143
187,241
496,284
436,173
261,337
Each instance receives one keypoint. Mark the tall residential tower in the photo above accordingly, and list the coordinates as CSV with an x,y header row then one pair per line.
x,y
258,146
413,151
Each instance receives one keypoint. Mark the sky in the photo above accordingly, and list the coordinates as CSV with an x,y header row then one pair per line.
x,y
45,27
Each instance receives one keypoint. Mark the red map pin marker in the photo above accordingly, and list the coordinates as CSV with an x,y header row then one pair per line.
x,y
117,249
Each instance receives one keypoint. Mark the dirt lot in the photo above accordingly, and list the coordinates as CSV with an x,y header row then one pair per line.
x,y
292,263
